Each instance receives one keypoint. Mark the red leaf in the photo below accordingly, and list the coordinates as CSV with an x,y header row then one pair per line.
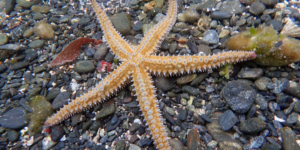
x,y
71,52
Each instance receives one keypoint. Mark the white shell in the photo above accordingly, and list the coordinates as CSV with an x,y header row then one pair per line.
x,y
290,29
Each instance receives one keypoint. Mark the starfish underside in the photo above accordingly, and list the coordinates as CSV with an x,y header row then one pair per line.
x,y
138,62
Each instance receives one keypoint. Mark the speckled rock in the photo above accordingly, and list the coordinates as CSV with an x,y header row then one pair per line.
x,y
44,30
14,118
239,96
3,39
252,126
84,66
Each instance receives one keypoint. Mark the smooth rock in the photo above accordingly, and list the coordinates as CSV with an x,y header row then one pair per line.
x,y
211,37
57,133
121,22
228,120
239,96
60,100
251,73
257,8
108,109
3,39
14,118
252,126
84,66
43,30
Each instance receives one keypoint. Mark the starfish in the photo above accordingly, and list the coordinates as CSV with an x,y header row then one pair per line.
x,y
138,63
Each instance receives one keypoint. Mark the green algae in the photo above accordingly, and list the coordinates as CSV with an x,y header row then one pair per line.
x,y
226,70
41,111
271,48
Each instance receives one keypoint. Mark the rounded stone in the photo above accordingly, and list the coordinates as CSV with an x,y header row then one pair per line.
x,y
57,132
252,126
239,96
211,37
84,66
36,44
3,39
44,30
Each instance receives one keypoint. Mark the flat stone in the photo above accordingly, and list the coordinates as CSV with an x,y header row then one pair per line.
x,y
14,118
60,100
20,65
108,109
84,66
252,126
228,120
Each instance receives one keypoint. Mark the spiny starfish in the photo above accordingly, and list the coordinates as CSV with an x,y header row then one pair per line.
x,y
136,62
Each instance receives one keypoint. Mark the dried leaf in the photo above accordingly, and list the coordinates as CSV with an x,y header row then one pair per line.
x,y
71,52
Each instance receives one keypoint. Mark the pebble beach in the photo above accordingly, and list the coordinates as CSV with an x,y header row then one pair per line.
x,y
244,105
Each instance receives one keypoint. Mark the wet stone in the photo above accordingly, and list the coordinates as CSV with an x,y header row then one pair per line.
x,y
262,83
288,140
84,66
145,142
120,145
20,65
57,132
60,100
277,25
224,139
134,127
3,39
121,22
40,9
186,79
164,83
14,118
182,115
252,73
36,44
38,16
279,85
12,135
211,37
232,7
25,3
192,46
101,52
30,56
28,33
220,15
206,5
193,140
191,90
2,67
257,8
239,96
255,142
228,120
292,118
108,109
252,126
39,69
13,47
43,30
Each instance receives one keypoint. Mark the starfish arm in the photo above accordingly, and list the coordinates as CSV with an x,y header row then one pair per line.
x,y
155,35
187,64
117,44
101,92
149,106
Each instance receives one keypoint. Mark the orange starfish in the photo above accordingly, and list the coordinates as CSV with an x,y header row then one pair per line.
x,y
137,62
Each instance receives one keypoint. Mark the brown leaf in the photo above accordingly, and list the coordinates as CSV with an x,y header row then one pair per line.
x,y
71,52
